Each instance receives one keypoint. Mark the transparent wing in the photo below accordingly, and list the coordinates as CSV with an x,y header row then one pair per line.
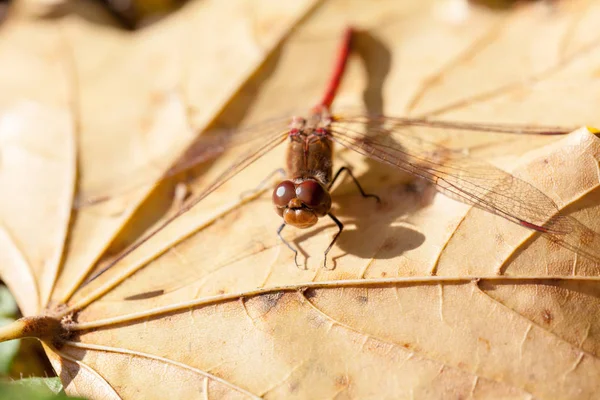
x,y
396,141
206,147
398,122
260,148
470,180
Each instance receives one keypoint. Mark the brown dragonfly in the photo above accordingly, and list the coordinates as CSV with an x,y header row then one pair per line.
x,y
304,196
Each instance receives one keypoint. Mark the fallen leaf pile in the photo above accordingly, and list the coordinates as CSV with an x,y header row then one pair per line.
x,y
428,297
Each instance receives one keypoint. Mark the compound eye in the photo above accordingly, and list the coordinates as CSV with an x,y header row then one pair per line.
x,y
311,193
283,193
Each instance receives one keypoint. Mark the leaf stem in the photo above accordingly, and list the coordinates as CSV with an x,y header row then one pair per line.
x,y
40,327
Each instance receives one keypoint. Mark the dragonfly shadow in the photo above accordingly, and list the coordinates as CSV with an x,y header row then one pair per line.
x,y
370,229
374,230
377,61
401,197
399,240
383,223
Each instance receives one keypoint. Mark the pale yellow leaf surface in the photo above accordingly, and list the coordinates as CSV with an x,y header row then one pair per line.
x,y
425,297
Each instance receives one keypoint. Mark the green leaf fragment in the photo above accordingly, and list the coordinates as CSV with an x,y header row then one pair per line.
x,y
33,389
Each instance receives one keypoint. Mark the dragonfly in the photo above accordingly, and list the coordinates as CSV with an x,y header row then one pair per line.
x,y
304,195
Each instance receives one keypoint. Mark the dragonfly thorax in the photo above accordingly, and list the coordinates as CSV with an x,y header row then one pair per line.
x,y
310,150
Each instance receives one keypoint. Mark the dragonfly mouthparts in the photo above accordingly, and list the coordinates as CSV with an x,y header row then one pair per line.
x,y
302,217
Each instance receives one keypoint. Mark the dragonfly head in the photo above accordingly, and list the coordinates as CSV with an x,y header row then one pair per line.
x,y
301,204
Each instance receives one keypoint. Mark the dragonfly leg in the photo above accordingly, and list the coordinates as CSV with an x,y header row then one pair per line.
x,y
289,246
263,183
362,192
341,228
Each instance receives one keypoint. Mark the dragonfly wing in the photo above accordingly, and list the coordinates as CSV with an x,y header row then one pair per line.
x,y
467,179
247,158
399,122
206,147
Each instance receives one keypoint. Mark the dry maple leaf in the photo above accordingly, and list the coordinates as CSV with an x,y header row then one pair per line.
x,y
429,297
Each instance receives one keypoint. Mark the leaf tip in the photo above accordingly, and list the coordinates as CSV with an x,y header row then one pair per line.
x,y
593,130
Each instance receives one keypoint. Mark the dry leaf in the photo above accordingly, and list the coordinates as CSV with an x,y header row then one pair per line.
x,y
428,298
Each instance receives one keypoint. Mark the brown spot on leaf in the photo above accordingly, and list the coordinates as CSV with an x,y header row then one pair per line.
x,y
342,381
587,237
310,293
499,239
362,299
269,301
294,385
410,347
552,245
547,316
485,342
